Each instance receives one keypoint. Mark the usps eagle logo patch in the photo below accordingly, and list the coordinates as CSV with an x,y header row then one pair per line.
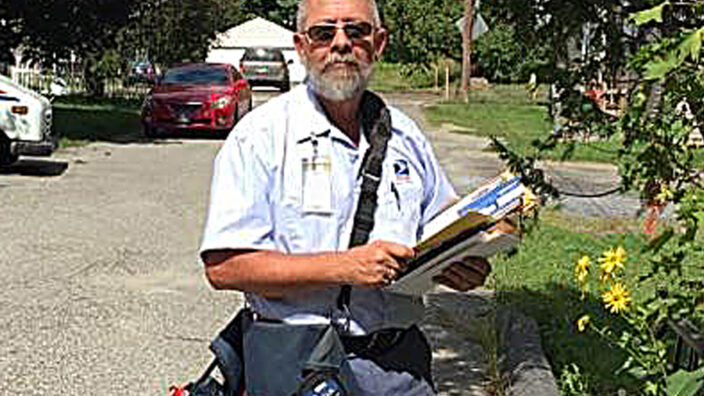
x,y
402,170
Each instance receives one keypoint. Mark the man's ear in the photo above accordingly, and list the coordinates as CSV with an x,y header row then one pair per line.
x,y
381,39
299,41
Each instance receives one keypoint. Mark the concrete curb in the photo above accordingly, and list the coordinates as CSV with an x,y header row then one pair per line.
x,y
523,364
497,349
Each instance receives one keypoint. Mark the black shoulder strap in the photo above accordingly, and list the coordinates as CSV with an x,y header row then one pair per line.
x,y
376,125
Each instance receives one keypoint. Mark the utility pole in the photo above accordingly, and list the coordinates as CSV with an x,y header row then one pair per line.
x,y
467,46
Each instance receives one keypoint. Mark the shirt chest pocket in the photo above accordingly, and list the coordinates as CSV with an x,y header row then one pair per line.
x,y
399,211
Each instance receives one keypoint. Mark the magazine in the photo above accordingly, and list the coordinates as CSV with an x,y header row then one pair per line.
x,y
478,225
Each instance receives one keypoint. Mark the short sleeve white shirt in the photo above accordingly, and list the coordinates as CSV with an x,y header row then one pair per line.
x,y
256,201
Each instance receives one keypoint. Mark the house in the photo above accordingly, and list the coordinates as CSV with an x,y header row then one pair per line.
x,y
229,46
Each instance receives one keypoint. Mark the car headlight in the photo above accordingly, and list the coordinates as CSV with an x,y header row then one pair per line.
x,y
48,119
220,103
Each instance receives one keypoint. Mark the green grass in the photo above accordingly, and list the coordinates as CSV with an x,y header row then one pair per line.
x,y
99,103
392,76
81,122
505,111
539,280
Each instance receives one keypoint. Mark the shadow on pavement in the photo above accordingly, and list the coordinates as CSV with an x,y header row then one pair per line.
x,y
461,332
35,167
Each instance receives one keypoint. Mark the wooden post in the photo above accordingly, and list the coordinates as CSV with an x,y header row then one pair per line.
x,y
447,80
467,46
437,76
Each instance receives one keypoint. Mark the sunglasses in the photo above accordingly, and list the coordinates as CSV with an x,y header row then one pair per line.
x,y
324,33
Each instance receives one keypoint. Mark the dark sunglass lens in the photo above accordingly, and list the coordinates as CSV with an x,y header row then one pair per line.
x,y
358,30
322,33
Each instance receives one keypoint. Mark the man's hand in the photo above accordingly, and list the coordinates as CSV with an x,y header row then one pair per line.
x,y
465,275
376,264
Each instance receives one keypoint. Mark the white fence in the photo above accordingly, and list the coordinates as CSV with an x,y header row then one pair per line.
x,y
50,83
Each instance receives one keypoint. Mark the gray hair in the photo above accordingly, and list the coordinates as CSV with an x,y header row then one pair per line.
x,y
302,15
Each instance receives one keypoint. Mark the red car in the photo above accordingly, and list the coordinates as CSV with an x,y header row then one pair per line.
x,y
196,97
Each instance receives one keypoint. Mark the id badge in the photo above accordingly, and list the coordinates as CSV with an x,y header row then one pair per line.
x,y
317,185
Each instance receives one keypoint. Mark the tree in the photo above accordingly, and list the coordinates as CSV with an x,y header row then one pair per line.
x,y
166,32
10,28
505,58
54,29
422,31
282,12
467,45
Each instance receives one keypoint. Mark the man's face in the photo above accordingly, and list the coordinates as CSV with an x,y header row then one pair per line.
x,y
337,47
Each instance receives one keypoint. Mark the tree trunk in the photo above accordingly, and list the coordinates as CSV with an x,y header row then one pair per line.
x,y
95,84
467,46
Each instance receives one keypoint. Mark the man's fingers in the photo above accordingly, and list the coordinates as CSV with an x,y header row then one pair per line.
x,y
468,274
443,281
389,262
452,281
459,279
478,264
396,250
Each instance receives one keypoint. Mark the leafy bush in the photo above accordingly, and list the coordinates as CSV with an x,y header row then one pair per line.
x,y
503,58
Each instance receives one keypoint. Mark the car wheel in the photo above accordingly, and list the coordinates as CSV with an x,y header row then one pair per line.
x,y
6,157
285,86
249,106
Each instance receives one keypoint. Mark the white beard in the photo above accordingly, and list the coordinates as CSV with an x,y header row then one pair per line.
x,y
339,87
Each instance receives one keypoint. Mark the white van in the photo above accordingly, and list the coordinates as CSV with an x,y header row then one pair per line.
x,y
25,123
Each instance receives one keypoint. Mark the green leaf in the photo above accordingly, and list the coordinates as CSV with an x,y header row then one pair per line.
x,y
653,14
657,69
651,388
627,365
691,46
685,383
637,372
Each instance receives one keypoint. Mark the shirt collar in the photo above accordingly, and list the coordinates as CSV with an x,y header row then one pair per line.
x,y
318,123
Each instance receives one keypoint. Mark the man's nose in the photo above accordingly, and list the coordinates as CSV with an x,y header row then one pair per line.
x,y
341,43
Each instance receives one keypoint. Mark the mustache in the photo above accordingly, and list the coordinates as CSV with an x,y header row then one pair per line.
x,y
338,58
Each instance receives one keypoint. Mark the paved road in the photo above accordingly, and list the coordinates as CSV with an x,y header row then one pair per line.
x,y
103,293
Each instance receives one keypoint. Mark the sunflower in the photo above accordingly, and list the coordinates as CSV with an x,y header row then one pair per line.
x,y
611,261
616,299
583,322
581,270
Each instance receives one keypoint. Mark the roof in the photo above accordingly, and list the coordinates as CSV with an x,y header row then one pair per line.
x,y
257,32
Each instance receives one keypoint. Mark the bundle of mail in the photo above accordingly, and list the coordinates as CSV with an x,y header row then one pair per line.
x,y
479,225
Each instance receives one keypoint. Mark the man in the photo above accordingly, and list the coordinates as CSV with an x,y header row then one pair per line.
x,y
278,229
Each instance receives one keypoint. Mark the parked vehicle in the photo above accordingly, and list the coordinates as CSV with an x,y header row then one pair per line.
x,y
25,123
197,96
141,73
266,67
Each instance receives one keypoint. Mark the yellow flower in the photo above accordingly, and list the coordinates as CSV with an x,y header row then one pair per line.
x,y
611,261
583,322
581,270
530,200
616,299
665,194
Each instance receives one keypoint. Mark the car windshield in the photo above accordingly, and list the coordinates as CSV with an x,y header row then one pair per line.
x,y
263,55
195,76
